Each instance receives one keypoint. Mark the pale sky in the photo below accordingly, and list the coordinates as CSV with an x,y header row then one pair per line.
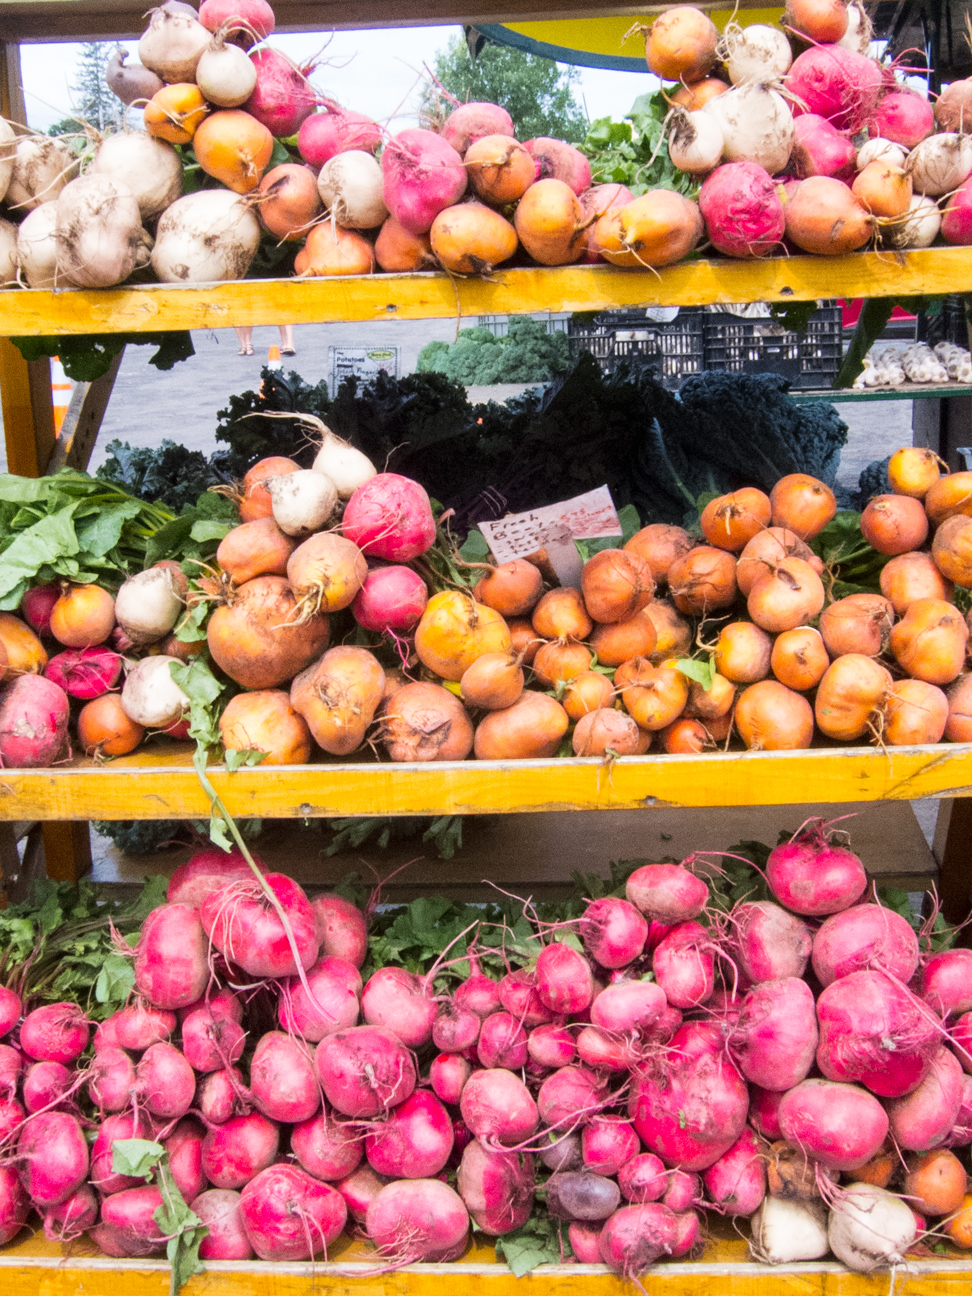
x,y
375,72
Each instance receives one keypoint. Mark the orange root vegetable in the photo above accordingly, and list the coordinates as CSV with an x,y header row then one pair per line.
x,y
935,1182
720,727
174,113
255,499
948,497
894,524
673,633
83,616
959,1227
616,583
799,658
494,681
531,728
767,549
697,95
859,623
802,504
929,641
731,521
550,223
616,642
425,722
326,572
821,21
399,251
333,250
883,189
561,614
258,638
558,662
685,736
470,238
500,169
912,576
823,216
878,1171
771,717
596,201
105,730
606,732
958,728
264,720
513,589
913,470
952,550
742,652
588,691
257,548
681,45
789,595
850,696
657,229
654,696
710,703
703,581
234,148
660,544
23,652
289,201
915,712
338,697
524,640
455,630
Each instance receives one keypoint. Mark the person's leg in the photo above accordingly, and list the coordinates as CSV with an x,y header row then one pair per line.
x,y
245,336
286,339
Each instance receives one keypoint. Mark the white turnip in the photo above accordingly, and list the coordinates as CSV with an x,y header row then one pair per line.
x,y
224,74
151,697
786,1231
755,53
41,168
351,188
37,248
172,44
148,605
208,236
940,164
148,167
8,254
871,1228
756,124
346,466
695,142
99,233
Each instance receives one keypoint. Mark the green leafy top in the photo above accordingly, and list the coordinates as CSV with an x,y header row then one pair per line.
x,y
853,567
181,1227
541,1240
634,152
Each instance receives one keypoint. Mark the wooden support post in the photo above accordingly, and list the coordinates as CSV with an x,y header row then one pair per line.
x,y
28,411
81,426
953,850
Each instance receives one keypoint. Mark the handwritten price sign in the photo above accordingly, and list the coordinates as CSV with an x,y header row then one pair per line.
x,y
555,527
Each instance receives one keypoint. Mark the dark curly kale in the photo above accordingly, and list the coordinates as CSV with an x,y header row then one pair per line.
x,y
872,481
170,474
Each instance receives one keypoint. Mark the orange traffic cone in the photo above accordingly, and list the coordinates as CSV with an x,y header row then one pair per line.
x,y
273,359
61,388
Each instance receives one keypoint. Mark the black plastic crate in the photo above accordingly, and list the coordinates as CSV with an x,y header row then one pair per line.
x,y
809,359
675,349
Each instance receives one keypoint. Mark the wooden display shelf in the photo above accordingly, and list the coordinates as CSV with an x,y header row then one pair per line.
x,y
151,307
153,784
907,391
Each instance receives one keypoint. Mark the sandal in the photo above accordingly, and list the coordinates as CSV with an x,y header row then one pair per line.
x,y
287,351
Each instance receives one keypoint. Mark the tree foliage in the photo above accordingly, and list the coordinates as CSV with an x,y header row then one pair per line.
x,y
528,353
536,92
93,101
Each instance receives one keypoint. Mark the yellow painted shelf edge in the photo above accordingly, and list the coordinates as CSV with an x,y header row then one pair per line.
x,y
151,307
156,785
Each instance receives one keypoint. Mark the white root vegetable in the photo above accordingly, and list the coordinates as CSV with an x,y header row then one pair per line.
x,y
756,53
918,228
37,247
857,37
100,239
881,150
757,125
695,142
151,697
870,1228
940,163
346,466
148,605
130,81
173,44
787,1231
302,501
921,365
205,237
8,146
351,186
147,166
41,169
956,360
8,254
225,75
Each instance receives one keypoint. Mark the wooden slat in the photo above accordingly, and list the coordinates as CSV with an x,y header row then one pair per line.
x,y
147,308
150,785
79,431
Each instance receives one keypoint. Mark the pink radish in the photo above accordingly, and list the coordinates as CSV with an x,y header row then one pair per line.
x,y
570,1097
472,121
840,1125
322,135
282,1080
415,1220
53,1158
946,982
628,1006
835,83
479,993
565,982
448,1075
184,1146
12,1117
45,1084
54,1033
85,673
923,1118
811,875
326,1148
211,1043
560,161
585,1242
455,1029
254,16
683,1191
643,1178
636,1236
961,1034
561,1152
166,1081
961,1132
413,1141
877,1032
243,925
390,516
111,1080
342,970
206,872
288,1215
737,1181
129,1219
602,1051
956,228
496,1187
502,1042
391,598
497,1107
690,1106
365,1071
283,97
233,1153
10,1009
218,1096
667,893
866,936
171,968
11,1065
297,1013
551,1046
774,1039
742,210
821,149
902,116
769,943
68,1220
764,1108
423,176
342,928
613,932
136,1027
125,1125
37,605
398,1000
34,714
608,1143
684,965
520,995
219,1210
359,1190
688,1233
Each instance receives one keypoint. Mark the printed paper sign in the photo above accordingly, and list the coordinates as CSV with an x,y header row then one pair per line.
x,y
555,527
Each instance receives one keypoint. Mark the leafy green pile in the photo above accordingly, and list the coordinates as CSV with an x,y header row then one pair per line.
x,y
851,565
527,353
635,152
